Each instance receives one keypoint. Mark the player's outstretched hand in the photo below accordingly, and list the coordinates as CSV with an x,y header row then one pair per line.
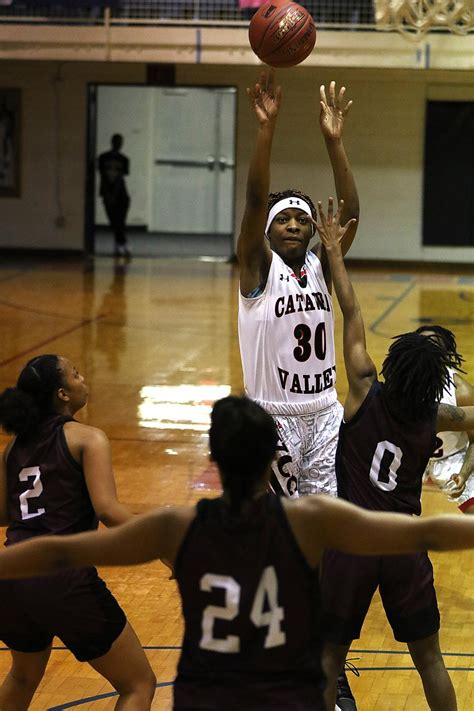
x,y
455,486
334,109
265,97
329,226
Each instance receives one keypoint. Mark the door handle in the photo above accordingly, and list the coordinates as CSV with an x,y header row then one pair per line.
x,y
209,163
222,162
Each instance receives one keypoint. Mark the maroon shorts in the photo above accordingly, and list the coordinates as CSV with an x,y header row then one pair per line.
x,y
406,586
74,605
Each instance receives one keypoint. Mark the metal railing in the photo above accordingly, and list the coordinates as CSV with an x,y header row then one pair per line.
x,y
413,18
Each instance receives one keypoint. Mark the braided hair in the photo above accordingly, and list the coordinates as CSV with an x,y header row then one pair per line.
x,y
446,336
416,374
273,198
242,440
24,406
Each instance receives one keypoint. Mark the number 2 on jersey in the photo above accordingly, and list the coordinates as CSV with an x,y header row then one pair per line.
x,y
32,493
262,615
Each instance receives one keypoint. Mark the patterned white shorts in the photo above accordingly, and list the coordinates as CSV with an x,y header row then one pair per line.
x,y
306,453
440,472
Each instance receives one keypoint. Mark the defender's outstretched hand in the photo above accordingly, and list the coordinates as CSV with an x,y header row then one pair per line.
x,y
265,97
334,110
455,486
329,227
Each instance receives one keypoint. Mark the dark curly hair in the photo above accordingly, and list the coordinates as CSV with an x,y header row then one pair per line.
x,y
446,336
23,407
243,441
416,374
273,198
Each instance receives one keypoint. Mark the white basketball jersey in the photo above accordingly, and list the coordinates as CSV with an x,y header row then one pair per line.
x,y
286,339
452,442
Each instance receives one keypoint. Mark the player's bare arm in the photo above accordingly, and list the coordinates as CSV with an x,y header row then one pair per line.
x,y
157,534
458,419
348,528
253,252
334,109
360,369
91,447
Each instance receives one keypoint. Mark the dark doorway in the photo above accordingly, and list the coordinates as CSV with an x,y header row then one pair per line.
x,y
448,199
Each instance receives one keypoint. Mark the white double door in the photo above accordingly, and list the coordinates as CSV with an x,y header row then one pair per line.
x,y
193,160
181,145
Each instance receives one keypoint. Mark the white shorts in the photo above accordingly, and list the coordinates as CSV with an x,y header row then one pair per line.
x,y
306,453
440,472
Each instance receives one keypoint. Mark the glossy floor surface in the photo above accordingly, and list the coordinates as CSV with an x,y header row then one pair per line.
x,y
157,342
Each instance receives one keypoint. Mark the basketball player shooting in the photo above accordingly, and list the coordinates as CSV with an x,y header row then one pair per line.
x,y
285,307
285,304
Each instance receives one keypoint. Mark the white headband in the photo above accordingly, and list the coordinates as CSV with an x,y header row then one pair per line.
x,y
295,202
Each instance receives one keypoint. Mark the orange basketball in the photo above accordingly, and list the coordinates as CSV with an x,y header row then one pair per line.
x,y
282,33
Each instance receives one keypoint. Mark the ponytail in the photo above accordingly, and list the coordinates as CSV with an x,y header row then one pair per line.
x,y
243,440
23,407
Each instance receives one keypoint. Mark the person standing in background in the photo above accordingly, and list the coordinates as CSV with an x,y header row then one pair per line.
x,y
113,166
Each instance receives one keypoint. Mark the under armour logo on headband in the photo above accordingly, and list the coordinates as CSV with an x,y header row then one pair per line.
x,y
287,202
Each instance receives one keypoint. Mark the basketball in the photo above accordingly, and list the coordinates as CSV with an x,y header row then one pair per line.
x,y
282,33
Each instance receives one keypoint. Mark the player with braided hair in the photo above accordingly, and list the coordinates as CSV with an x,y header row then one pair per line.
x,y
452,463
416,375
385,441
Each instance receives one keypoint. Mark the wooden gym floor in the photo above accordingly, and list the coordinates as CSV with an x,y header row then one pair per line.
x,y
157,343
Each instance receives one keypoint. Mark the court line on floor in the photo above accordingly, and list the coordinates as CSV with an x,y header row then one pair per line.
x,y
401,651
9,277
62,648
99,697
40,312
110,694
373,326
78,326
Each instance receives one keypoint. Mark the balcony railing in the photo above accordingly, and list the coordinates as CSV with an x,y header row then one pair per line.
x,y
410,17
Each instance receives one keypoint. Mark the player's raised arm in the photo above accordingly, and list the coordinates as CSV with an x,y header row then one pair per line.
x,y
457,419
334,109
360,369
252,250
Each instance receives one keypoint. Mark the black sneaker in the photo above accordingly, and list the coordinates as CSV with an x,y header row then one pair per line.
x,y
344,697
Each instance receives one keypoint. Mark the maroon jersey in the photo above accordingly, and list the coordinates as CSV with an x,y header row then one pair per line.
x,y
46,488
251,606
379,460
